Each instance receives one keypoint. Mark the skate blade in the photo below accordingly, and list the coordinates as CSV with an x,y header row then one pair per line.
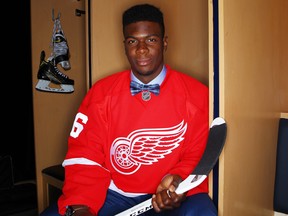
x,y
47,86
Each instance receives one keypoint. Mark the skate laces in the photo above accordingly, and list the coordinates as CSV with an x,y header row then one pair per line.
x,y
50,60
60,73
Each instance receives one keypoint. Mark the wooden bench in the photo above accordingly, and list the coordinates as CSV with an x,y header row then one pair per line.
x,y
53,178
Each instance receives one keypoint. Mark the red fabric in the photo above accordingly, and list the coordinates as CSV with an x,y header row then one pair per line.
x,y
134,142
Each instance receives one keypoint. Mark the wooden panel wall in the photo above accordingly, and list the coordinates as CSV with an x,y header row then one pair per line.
x,y
53,112
253,92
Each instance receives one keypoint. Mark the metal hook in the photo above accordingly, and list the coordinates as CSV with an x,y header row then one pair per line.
x,y
57,18
79,12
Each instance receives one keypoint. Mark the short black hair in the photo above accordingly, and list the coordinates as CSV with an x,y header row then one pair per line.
x,y
143,12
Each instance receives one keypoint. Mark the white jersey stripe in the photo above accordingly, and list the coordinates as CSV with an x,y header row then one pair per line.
x,y
82,161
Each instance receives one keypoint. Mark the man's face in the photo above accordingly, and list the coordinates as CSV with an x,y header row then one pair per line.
x,y
144,48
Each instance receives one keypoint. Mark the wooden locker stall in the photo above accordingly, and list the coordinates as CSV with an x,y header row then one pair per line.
x,y
54,112
253,76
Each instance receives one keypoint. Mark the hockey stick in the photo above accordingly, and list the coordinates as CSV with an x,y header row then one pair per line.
x,y
215,144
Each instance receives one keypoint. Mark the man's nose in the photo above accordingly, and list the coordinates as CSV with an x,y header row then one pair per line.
x,y
142,46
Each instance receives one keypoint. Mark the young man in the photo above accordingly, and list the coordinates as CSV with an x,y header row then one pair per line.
x,y
130,141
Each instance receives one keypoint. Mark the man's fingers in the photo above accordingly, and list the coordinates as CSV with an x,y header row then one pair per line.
x,y
168,193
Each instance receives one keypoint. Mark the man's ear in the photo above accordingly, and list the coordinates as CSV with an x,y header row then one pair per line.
x,y
165,43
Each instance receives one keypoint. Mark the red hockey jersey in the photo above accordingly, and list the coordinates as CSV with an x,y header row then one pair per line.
x,y
120,138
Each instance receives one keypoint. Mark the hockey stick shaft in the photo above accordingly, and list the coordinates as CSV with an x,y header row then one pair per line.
x,y
215,143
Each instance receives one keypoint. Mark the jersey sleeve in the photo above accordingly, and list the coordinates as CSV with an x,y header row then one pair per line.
x,y
86,177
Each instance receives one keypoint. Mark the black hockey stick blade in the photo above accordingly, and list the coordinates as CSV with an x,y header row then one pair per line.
x,y
215,144
214,147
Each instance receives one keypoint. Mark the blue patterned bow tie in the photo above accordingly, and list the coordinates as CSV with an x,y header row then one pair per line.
x,y
137,87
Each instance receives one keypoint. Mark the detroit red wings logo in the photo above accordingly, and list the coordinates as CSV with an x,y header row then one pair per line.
x,y
144,147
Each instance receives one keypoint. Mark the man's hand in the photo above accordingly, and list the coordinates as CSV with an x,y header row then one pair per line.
x,y
165,197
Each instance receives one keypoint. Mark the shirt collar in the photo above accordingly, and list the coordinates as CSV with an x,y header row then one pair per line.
x,y
157,80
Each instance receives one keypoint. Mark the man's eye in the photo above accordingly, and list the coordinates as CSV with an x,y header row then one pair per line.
x,y
152,40
131,42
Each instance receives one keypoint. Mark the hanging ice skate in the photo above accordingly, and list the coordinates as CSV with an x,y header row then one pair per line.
x,y
50,79
59,46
